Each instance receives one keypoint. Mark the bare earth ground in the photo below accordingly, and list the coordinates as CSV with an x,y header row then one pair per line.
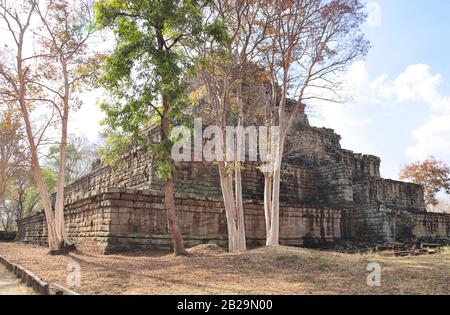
x,y
209,270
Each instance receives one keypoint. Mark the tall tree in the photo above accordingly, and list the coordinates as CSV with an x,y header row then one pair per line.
x,y
49,77
144,76
16,72
432,174
68,63
224,65
309,43
7,216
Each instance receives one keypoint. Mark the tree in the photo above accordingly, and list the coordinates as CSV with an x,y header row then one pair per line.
x,y
7,216
16,72
24,194
68,64
224,62
433,175
47,78
309,42
80,154
22,198
144,76
12,148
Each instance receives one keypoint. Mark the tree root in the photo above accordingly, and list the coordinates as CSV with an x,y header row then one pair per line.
x,y
63,249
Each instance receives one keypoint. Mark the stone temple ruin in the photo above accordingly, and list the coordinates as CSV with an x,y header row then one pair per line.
x,y
328,195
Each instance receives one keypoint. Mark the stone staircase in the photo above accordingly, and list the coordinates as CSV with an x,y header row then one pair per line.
x,y
404,250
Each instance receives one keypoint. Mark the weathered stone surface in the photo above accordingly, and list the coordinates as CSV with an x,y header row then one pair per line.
x,y
143,224
327,194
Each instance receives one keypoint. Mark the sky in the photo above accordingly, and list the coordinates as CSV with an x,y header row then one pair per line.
x,y
401,92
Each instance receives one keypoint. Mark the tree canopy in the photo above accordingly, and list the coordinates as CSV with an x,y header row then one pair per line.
x,y
432,174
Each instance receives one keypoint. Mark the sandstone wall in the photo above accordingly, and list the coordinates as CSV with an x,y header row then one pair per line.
x,y
380,204
432,227
299,182
122,219
312,146
385,224
396,194
86,218
327,194
361,165
335,185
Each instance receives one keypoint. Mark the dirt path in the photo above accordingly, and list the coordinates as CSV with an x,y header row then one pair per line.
x,y
210,270
9,285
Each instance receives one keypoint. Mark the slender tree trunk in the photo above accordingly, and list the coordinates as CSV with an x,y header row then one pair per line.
x,y
2,189
169,194
2,176
268,202
274,233
273,238
169,201
59,205
35,165
240,219
20,201
241,239
226,183
233,204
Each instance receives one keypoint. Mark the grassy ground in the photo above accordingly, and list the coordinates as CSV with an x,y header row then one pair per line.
x,y
209,270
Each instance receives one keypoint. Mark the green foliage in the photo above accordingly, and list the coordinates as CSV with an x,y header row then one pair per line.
x,y
114,148
72,156
50,178
30,197
147,65
80,154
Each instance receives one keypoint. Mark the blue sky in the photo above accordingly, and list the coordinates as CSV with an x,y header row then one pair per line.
x,y
401,107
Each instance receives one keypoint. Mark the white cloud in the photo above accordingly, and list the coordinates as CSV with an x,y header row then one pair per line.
x,y
432,138
414,92
419,84
349,118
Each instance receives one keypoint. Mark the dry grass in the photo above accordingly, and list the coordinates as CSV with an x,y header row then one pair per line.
x,y
208,270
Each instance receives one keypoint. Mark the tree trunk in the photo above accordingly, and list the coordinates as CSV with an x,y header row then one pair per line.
x,y
2,189
241,239
59,205
35,165
169,194
273,238
230,207
169,202
235,215
268,202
